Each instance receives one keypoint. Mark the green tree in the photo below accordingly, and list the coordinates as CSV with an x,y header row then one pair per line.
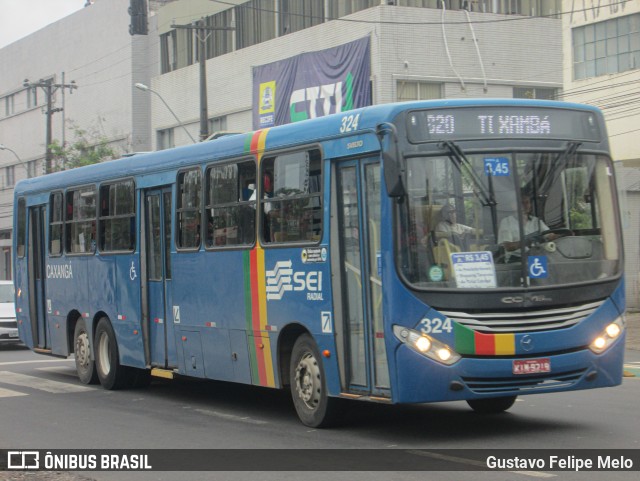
x,y
87,148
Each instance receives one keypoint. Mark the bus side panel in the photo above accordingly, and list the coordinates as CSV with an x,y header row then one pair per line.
x,y
208,291
127,319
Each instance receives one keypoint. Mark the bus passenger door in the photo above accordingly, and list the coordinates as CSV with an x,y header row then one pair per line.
x,y
162,342
36,266
359,287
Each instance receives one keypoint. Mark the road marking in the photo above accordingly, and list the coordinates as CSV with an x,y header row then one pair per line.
x,y
473,462
12,363
230,417
65,371
34,382
10,393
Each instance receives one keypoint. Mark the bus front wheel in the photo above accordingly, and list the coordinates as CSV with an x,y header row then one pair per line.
x,y
492,405
308,385
85,366
111,373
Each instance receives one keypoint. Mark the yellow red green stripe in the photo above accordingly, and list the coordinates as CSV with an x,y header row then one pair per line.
x,y
468,341
256,315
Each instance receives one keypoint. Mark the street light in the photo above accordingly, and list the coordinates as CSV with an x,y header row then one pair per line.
x,y
145,88
4,147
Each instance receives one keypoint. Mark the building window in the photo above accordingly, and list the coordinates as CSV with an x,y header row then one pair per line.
x,y
535,93
219,42
9,176
32,166
188,209
297,15
165,139
80,222
168,48
117,216
340,8
230,204
56,223
606,47
255,23
217,124
32,97
412,90
9,105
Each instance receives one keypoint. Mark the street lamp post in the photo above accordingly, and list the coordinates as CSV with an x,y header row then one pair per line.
x,y
145,88
4,147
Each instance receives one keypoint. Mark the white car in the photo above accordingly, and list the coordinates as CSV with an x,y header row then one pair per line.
x,y
8,325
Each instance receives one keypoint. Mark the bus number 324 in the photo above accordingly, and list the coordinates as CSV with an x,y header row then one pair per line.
x,y
435,326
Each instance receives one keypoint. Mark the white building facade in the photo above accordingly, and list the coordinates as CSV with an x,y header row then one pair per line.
x,y
602,68
91,49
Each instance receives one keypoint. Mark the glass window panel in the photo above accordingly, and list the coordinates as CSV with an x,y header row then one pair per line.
x,y
612,28
578,36
589,33
601,66
623,44
590,51
601,50
578,53
590,69
623,26
634,23
601,30
612,64
634,41
624,62
612,47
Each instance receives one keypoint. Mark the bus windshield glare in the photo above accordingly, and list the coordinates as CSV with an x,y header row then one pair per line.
x,y
508,220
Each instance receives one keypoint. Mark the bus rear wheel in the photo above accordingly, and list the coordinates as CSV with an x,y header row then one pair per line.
x,y
111,373
85,366
492,405
308,385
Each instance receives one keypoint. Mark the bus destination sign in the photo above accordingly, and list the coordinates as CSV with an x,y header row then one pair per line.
x,y
502,122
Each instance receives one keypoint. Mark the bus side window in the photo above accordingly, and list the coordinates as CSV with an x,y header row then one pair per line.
x,y
56,223
291,203
80,223
229,205
188,209
117,216
22,227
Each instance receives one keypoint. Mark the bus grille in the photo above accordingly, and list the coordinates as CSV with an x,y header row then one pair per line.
x,y
528,321
524,384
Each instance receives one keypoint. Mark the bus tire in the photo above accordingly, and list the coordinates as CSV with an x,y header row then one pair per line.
x,y
492,405
85,366
308,385
111,373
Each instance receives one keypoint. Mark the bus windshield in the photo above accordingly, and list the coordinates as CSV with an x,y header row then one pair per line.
x,y
508,220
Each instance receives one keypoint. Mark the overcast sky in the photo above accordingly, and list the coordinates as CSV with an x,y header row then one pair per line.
x,y
19,18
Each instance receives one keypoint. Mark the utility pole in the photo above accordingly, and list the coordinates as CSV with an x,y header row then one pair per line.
x,y
203,32
49,89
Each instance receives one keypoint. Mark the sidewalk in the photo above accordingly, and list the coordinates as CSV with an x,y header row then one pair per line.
x,y
633,330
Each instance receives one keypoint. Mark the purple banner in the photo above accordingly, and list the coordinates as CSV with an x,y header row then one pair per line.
x,y
312,84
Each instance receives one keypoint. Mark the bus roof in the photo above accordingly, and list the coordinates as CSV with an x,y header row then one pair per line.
x,y
234,145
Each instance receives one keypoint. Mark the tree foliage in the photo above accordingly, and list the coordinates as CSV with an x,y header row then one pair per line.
x,y
87,148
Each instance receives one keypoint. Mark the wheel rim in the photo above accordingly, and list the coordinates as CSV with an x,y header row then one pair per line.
x,y
104,360
308,381
83,352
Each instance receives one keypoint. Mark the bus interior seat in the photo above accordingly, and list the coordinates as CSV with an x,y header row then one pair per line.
x,y
442,254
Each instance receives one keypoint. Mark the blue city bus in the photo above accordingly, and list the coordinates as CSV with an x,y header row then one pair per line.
x,y
402,253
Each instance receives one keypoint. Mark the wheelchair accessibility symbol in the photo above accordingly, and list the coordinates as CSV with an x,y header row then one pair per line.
x,y
538,267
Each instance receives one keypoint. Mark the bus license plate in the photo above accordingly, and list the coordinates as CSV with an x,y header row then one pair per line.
x,y
532,366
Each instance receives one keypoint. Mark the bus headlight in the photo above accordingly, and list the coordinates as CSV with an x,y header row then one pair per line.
x,y
612,332
426,345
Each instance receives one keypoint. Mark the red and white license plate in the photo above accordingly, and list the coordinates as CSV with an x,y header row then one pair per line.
x,y
531,366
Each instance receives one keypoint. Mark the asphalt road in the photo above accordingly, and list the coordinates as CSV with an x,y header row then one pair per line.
x,y
43,406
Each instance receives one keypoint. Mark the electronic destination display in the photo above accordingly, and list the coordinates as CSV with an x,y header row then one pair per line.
x,y
506,122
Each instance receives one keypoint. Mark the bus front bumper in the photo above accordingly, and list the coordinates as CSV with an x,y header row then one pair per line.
x,y
424,380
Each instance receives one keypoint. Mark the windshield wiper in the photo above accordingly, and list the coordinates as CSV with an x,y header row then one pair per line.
x,y
458,156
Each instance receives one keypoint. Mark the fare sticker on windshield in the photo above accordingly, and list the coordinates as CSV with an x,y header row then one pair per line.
x,y
474,270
